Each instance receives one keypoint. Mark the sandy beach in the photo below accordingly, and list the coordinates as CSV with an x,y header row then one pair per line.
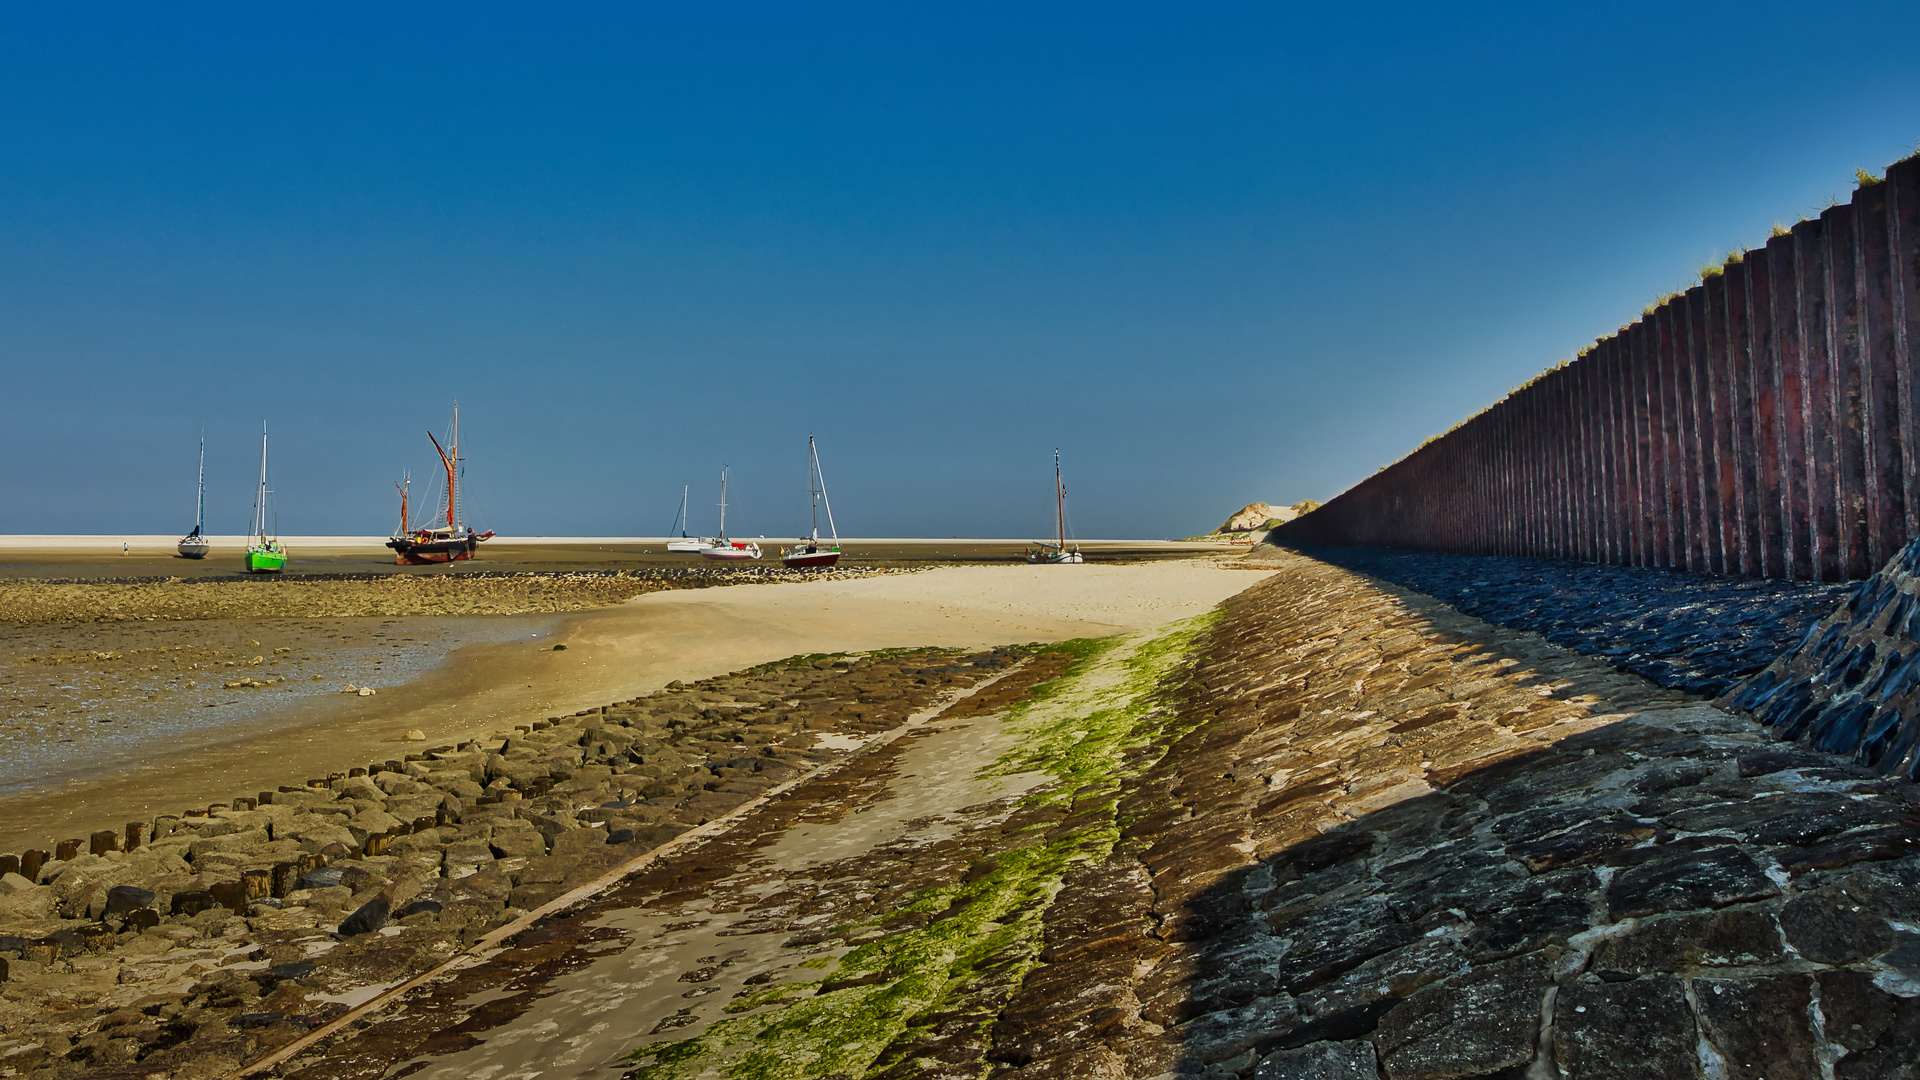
x,y
612,653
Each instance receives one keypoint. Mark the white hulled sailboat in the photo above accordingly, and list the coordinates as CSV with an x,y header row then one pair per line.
x,y
1058,553
811,552
719,547
194,545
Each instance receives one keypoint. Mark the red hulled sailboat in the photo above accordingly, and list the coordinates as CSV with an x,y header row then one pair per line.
x,y
453,541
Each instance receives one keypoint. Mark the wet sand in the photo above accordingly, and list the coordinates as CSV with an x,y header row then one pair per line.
x,y
614,654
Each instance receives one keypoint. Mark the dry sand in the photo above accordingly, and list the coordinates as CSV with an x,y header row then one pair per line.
x,y
620,652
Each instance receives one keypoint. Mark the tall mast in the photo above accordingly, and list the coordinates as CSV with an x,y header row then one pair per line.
x,y
453,469
813,485
723,502
260,496
684,488
1059,499
450,458
200,497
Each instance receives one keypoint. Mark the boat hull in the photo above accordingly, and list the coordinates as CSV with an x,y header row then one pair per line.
x,y
803,559
733,550
266,560
685,547
193,547
424,551
1055,558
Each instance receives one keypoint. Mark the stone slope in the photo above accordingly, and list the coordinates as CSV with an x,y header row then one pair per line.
x,y
1687,631
1404,843
1852,686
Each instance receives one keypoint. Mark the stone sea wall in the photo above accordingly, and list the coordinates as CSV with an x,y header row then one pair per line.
x,y
1405,844
1685,631
1762,423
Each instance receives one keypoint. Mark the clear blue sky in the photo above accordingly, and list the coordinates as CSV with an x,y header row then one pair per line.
x,y
1216,253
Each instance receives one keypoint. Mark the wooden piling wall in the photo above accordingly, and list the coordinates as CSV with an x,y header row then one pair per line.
x,y
1760,424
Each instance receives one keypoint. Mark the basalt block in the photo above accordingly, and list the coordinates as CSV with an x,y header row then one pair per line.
x,y
1320,1061
1760,1026
1639,1030
1852,687
1828,927
369,917
1714,877
1734,937
1481,1022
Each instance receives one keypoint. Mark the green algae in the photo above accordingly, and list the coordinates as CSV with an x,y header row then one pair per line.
x,y
1085,730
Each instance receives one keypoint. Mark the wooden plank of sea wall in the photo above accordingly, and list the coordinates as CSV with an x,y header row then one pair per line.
x,y
1586,407
1541,455
1595,400
1650,522
1668,334
1635,523
1567,429
1524,459
1816,349
1708,556
1880,376
1764,378
1553,487
1849,393
1615,382
1797,517
1738,453
1903,242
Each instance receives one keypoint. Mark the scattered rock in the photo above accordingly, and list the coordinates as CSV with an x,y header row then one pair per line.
x,y
369,917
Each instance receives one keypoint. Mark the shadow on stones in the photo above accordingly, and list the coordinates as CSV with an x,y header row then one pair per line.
x,y
1322,880
1568,908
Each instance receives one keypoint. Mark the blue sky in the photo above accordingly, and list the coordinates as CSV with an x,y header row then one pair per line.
x,y
1215,253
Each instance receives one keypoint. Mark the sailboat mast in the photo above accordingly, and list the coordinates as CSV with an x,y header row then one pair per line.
x,y
723,502
453,466
1059,500
200,497
684,488
260,495
813,484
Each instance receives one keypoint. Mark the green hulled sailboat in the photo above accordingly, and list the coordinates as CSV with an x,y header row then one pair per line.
x,y
265,555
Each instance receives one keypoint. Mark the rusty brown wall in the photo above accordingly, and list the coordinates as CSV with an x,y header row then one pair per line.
x,y
1762,423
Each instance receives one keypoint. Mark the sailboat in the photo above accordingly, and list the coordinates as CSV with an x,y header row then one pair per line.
x,y
811,552
687,545
194,545
455,541
719,547
1058,553
265,555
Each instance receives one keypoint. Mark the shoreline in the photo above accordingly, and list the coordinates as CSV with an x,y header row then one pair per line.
x,y
625,651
